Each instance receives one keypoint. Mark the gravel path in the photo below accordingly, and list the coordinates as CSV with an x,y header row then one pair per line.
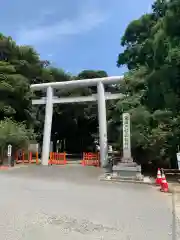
x,y
70,203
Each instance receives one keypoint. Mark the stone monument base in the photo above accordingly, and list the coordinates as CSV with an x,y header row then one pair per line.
x,y
127,170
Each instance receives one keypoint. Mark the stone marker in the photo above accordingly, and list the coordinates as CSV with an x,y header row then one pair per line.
x,y
127,168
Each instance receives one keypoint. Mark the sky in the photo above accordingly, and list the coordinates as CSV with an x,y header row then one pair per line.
x,y
72,34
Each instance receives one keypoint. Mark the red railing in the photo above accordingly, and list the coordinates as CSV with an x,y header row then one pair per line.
x,y
57,158
22,157
91,159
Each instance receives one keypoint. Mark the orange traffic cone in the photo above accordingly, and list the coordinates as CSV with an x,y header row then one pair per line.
x,y
158,178
164,184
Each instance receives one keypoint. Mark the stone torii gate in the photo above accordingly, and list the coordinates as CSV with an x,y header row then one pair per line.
x,y
101,97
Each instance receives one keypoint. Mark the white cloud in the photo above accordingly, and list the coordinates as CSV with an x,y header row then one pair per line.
x,y
85,21
50,55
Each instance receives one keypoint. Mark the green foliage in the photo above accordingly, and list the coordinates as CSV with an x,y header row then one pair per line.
x,y
14,133
152,85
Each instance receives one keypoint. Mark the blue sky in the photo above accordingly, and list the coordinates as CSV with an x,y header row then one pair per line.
x,y
72,34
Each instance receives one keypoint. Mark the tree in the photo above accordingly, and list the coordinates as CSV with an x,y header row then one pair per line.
x,y
15,94
152,54
14,133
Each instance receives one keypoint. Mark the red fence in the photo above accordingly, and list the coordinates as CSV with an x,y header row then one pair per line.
x,y
57,158
22,157
91,159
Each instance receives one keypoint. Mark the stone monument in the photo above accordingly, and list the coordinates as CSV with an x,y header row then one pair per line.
x,y
127,168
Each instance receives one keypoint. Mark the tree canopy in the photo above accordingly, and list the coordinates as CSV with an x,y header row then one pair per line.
x,y
152,55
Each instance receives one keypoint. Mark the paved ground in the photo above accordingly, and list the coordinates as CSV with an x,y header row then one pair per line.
x,y
70,203
176,209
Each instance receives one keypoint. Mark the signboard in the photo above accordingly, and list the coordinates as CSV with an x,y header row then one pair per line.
x,y
178,159
126,136
9,152
33,147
